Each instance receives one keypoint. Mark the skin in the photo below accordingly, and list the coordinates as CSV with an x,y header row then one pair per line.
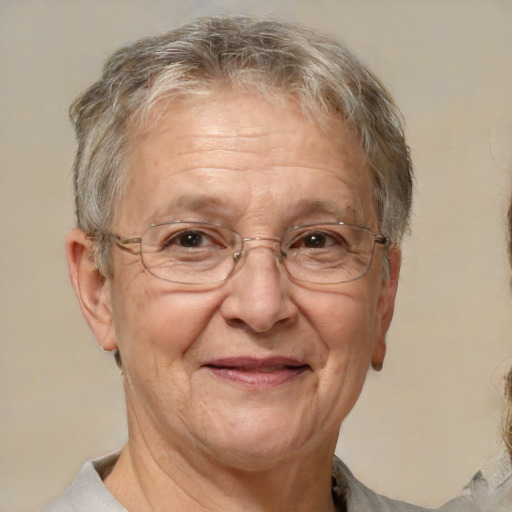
x,y
249,441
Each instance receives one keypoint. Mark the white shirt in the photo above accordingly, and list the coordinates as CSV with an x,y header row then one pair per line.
x,y
490,490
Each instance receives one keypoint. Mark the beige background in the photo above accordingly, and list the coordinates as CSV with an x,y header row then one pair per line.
x,y
429,419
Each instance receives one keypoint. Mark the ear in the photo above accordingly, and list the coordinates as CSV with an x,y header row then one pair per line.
x,y
91,288
385,308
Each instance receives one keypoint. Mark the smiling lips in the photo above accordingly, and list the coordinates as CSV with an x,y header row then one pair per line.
x,y
257,372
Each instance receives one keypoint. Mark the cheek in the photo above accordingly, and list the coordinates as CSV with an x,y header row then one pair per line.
x,y
345,325
344,321
349,339
158,325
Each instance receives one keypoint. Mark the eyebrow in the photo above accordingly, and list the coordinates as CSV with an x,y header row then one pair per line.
x,y
204,204
316,206
200,203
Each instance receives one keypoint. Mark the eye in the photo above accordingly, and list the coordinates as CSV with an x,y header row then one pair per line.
x,y
193,239
316,240
190,239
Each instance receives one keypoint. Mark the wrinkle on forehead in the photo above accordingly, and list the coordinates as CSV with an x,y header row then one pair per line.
x,y
217,130
263,151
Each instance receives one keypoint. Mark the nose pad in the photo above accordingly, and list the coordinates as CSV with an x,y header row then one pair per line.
x,y
274,245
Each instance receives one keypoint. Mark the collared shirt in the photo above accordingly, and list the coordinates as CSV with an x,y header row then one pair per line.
x,y
490,490
491,487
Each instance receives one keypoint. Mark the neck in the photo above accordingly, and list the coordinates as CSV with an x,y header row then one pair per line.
x,y
149,477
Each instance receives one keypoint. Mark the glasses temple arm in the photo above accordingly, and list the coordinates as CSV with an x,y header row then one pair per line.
x,y
122,242
383,240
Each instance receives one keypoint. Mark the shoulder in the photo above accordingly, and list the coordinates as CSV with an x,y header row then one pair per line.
x,y
359,498
87,491
491,487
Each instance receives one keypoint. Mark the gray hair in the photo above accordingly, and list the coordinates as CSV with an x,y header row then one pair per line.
x,y
240,52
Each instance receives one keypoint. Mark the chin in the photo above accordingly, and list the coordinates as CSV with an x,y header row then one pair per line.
x,y
254,444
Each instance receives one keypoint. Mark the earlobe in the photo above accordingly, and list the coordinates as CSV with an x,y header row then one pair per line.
x,y
91,288
385,308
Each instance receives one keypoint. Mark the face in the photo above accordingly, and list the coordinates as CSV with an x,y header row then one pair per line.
x,y
257,368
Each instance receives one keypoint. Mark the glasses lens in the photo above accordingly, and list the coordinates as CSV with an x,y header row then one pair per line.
x,y
189,252
328,253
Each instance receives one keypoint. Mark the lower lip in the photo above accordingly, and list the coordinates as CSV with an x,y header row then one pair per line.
x,y
258,379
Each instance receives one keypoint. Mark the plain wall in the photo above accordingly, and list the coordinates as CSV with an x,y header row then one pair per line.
x,y
422,426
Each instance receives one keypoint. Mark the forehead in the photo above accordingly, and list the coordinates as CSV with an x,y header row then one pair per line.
x,y
208,151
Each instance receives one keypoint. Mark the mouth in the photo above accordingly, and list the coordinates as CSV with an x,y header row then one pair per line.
x,y
259,373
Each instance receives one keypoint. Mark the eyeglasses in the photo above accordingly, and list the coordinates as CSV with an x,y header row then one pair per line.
x,y
198,253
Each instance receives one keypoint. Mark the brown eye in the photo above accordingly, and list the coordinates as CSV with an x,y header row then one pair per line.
x,y
190,239
315,240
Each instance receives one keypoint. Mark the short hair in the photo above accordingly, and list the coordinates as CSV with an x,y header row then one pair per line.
x,y
507,414
244,53
507,410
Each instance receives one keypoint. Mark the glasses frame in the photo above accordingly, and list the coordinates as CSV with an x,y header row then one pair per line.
x,y
122,243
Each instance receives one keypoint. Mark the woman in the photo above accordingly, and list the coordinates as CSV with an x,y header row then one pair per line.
x,y
242,187
491,487
507,414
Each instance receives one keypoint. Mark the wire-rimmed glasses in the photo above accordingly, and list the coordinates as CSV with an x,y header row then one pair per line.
x,y
201,253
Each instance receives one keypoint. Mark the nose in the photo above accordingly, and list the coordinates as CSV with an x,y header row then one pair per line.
x,y
258,290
